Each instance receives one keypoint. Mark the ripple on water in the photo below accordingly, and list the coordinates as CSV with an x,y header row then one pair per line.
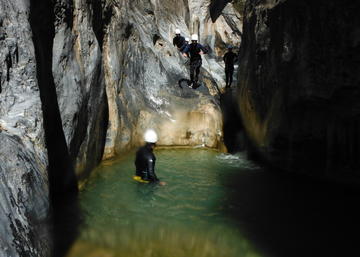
x,y
238,160
185,218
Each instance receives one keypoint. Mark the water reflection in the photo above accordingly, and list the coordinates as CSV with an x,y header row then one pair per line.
x,y
214,205
287,215
66,219
182,219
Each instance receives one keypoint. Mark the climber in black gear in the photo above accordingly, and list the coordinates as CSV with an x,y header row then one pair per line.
x,y
145,163
194,50
184,45
229,58
145,160
178,40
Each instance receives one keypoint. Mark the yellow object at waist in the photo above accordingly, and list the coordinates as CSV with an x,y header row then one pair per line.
x,y
139,179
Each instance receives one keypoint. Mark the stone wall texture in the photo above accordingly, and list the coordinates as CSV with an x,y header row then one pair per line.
x,y
142,70
80,80
24,195
299,84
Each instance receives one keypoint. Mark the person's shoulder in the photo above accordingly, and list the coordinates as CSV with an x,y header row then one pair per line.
x,y
141,149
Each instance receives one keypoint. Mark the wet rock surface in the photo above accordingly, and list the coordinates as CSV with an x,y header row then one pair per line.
x,y
143,69
299,84
24,194
79,81
70,68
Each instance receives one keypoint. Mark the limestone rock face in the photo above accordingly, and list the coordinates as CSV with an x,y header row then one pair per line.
x,y
24,195
142,70
66,67
79,81
299,83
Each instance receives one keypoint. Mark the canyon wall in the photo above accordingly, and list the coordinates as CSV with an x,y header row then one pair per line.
x,y
299,85
143,68
24,194
82,78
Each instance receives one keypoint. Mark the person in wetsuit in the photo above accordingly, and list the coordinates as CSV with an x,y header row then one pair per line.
x,y
145,160
178,40
229,58
184,45
194,50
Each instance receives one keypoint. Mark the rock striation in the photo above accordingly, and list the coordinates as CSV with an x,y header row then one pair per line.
x,y
299,85
143,68
24,194
81,78
79,81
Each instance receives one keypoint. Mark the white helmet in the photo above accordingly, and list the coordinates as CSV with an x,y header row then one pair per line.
x,y
150,136
194,37
177,31
187,39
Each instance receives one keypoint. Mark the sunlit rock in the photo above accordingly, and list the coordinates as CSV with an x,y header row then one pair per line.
x,y
142,70
79,81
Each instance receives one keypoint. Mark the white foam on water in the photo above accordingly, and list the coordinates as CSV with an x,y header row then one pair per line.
x,y
238,160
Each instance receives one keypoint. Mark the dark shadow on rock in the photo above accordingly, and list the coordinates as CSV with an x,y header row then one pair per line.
x,y
216,7
234,137
62,180
284,215
187,89
66,220
184,83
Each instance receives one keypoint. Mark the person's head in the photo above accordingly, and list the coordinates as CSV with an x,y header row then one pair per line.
x,y
177,32
187,40
150,137
230,48
194,38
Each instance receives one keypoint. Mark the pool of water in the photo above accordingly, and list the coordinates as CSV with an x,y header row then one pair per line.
x,y
189,217
214,204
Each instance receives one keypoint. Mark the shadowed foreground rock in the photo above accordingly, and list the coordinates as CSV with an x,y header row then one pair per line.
x,y
300,85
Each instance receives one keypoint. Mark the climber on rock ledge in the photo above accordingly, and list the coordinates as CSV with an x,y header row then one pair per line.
x,y
178,40
194,50
229,58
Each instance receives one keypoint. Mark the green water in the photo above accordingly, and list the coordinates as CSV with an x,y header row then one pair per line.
x,y
189,217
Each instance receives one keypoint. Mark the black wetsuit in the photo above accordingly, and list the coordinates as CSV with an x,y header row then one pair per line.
x,y
194,50
229,59
182,49
178,41
145,163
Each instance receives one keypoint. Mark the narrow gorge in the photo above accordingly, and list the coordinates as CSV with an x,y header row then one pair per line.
x,y
81,80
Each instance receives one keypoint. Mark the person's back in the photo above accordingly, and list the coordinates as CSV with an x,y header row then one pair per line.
x,y
229,59
145,163
178,41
